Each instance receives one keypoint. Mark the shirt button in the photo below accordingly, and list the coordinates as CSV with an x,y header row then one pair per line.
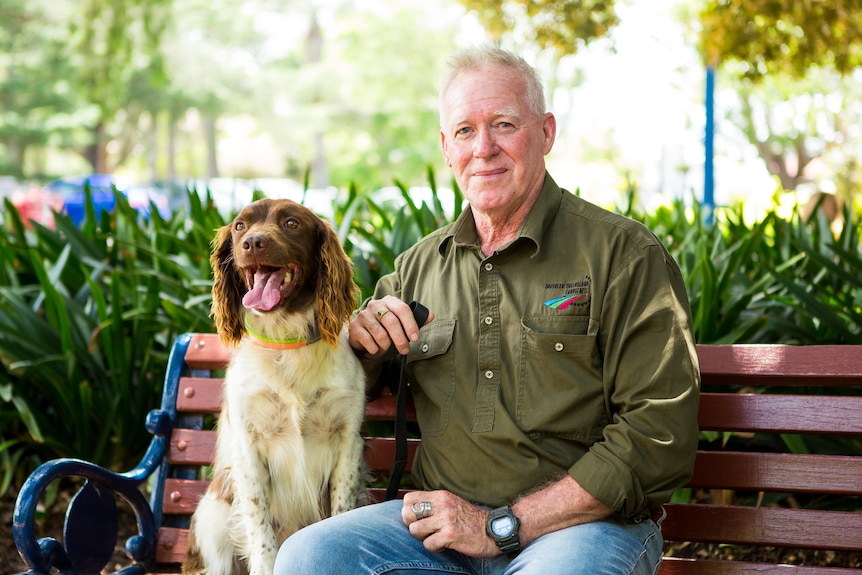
x,y
424,348
489,266
558,346
489,320
489,374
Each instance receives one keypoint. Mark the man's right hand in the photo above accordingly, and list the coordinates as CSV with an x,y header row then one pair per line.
x,y
384,323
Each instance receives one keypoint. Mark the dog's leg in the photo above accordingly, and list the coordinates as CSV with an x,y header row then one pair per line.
x,y
252,482
346,476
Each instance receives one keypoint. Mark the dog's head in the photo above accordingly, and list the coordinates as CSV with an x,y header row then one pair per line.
x,y
278,257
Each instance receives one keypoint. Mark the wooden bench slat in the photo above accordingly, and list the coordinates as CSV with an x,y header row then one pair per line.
x,y
192,447
200,395
679,566
197,447
182,495
801,528
769,364
780,413
207,352
832,474
380,452
171,544
384,408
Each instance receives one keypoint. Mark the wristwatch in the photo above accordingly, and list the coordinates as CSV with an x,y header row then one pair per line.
x,y
503,527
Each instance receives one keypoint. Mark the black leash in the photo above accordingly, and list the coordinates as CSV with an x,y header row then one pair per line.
x,y
420,314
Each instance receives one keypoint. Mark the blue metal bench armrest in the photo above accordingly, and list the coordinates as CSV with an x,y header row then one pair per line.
x,y
91,528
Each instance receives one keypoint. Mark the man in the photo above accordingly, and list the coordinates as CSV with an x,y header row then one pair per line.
x,y
556,381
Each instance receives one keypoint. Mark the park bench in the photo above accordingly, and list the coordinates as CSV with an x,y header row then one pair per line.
x,y
751,398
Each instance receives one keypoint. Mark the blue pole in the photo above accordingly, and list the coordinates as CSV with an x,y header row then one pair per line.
x,y
709,136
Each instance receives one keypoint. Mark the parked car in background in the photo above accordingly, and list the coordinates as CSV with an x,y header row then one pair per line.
x,y
34,204
71,191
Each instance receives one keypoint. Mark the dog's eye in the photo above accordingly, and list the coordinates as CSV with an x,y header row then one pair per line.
x,y
291,223
239,226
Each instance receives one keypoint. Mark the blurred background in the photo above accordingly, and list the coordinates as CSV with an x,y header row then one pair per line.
x,y
155,96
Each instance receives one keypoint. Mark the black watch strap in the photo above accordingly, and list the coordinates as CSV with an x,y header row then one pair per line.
x,y
507,543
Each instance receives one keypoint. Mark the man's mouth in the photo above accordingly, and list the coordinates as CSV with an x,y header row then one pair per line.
x,y
268,285
489,172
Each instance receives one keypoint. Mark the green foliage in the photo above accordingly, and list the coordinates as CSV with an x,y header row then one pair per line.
x,y
772,281
380,230
772,36
88,314
87,317
564,26
34,71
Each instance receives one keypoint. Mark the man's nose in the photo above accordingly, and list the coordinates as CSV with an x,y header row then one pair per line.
x,y
485,144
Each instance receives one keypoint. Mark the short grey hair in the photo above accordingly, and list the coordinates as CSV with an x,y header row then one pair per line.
x,y
475,57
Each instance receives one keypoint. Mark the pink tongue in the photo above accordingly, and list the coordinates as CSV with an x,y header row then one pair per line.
x,y
266,292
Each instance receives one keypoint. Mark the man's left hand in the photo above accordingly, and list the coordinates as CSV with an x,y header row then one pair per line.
x,y
453,523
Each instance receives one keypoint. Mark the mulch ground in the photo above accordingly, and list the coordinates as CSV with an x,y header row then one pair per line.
x,y
52,525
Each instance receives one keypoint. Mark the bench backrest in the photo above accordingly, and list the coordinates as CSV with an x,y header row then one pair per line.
x,y
753,400
747,390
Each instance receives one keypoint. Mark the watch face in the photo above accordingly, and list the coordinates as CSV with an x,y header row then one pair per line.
x,y
502,526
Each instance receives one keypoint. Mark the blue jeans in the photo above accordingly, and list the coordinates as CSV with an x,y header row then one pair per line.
x,y
373,540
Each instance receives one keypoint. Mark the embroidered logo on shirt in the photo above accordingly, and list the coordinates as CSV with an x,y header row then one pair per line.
x,y
576,294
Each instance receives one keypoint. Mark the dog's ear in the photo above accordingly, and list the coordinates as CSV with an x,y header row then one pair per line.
x,y
336,291
228,289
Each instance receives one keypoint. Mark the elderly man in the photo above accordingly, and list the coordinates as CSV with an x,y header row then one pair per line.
x,y
556,381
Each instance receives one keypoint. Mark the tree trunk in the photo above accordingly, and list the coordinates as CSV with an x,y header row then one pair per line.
x,y
96,153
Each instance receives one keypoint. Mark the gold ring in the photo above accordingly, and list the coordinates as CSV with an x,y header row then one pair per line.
x,y
423,510
382,312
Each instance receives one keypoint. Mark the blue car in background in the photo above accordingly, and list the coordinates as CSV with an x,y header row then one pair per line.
x,y
71,191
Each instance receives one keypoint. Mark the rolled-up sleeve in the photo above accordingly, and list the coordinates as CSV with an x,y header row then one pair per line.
x,y
651,383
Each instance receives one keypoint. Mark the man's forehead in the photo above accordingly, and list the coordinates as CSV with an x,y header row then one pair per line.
x,y
467,114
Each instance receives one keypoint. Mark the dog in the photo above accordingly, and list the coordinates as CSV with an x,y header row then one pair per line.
x,y
289,450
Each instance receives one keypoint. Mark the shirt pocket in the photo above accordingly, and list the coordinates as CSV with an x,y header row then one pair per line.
x,y
560,388
431,362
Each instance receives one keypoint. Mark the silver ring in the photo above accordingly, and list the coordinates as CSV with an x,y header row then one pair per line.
x,y
423,510
382,312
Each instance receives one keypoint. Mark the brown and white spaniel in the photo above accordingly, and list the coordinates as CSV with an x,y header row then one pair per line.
x,y
289,450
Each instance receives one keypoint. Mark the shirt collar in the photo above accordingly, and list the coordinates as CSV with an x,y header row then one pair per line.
x,y
463,230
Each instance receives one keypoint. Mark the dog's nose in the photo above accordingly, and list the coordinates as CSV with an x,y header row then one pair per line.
x,y
254,244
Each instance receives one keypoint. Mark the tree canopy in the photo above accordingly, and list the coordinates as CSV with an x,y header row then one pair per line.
x,y
782,36
562,25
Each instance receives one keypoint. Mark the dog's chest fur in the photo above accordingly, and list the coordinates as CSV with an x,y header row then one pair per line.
x,y
292,394
297,406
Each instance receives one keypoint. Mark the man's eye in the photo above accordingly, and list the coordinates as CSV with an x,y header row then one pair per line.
x,y
462,131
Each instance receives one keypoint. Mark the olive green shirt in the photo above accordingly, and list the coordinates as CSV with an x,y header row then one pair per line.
x,y
569,350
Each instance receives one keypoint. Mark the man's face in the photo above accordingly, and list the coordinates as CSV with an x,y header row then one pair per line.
x,y
492,141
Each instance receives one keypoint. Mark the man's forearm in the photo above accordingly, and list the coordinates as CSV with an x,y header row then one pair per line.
x,y
562,504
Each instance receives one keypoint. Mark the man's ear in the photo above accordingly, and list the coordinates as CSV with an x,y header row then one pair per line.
x,y
443,147
549,127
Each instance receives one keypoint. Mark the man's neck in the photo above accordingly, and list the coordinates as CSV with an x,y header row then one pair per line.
x,y
496,229
492,237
